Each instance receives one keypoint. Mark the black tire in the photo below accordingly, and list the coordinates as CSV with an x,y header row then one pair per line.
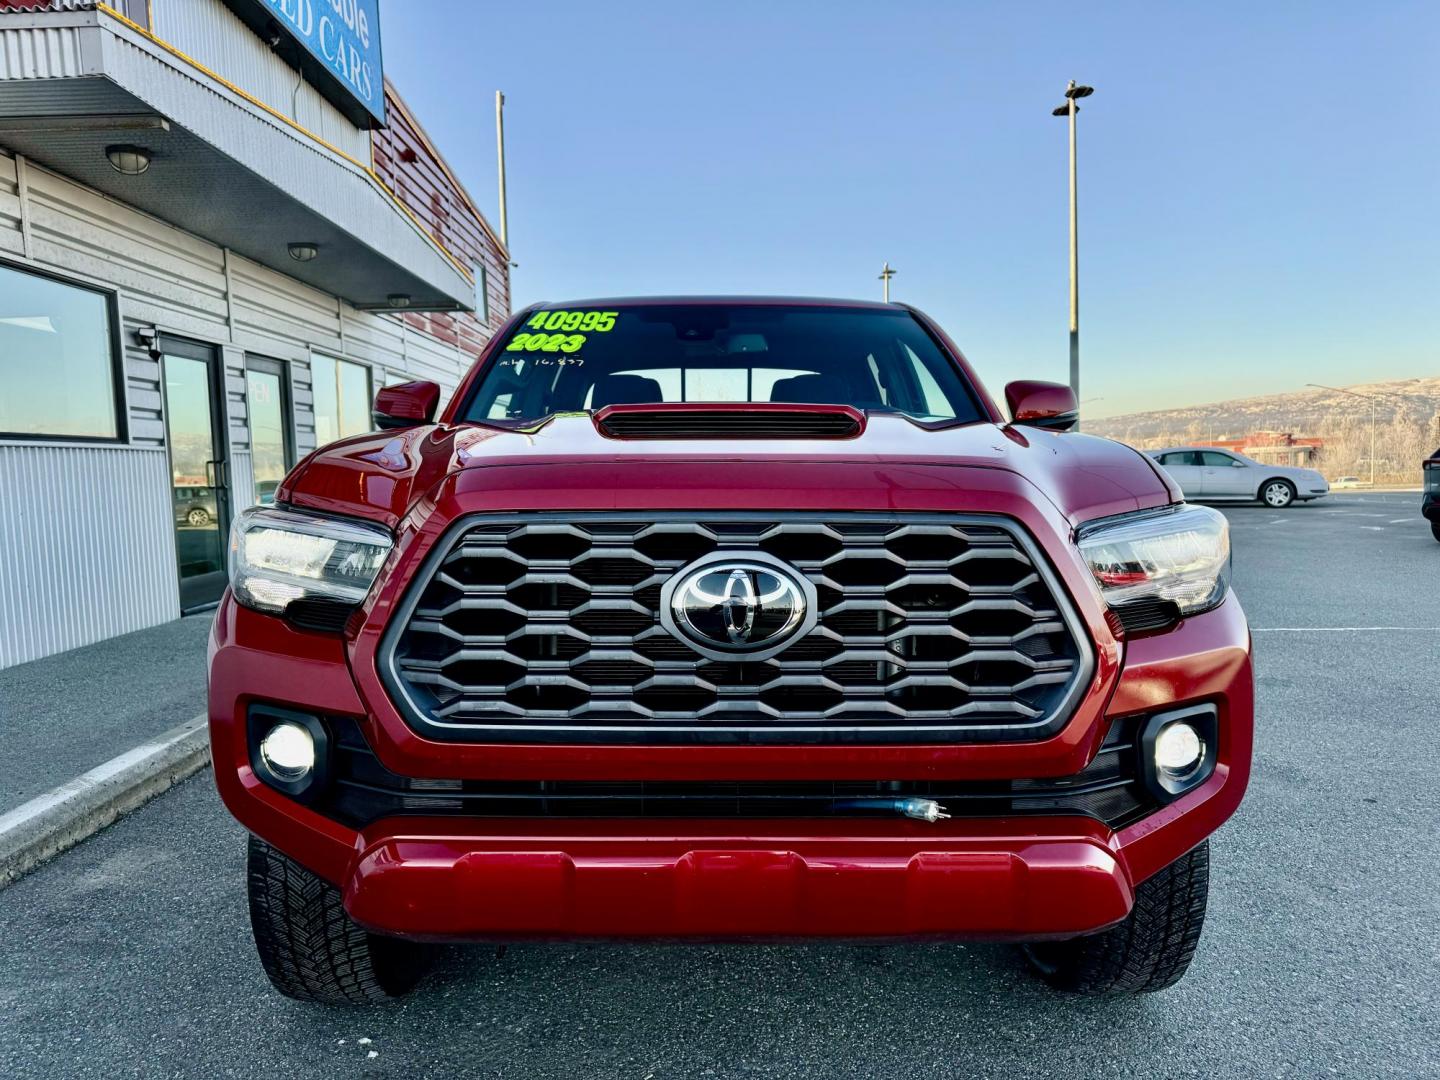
x,y
197,517
1435,529
310,948
1149,951
1284,494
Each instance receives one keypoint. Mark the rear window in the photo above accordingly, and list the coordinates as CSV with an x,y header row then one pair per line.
x,y
567,360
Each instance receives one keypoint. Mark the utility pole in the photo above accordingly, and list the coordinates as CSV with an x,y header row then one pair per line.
x,y
1071,109
885,275
500,154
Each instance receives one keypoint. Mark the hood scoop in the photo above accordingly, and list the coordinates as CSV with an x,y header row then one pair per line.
x,y
729,420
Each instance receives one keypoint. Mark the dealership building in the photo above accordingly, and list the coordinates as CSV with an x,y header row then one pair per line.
x,y
221,230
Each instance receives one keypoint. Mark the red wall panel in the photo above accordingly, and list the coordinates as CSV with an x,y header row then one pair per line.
x,y
407,162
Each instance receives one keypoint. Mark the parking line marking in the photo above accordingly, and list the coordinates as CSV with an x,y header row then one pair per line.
x,y
1399,521
1341,629
1374,528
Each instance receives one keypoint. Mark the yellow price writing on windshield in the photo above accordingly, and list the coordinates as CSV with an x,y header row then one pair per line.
x,y
546,343
597,322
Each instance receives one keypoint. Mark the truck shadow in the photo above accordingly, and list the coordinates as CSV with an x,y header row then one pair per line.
x,y
813,1009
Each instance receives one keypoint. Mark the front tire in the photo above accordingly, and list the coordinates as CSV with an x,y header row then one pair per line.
x,y
1435,529
1277,494
1149,951
309,947
198,517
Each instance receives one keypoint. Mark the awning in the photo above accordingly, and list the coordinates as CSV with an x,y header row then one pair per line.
x,y
223,166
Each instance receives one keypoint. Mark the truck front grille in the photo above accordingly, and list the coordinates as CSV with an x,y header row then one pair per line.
x,y
546,628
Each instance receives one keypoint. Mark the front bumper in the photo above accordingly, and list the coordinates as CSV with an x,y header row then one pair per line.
x,y
1005,879
480,878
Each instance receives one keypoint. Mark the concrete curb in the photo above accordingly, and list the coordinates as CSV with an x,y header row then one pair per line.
x,y
49,824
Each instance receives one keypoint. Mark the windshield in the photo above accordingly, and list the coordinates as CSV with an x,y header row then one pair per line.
x,y
582,359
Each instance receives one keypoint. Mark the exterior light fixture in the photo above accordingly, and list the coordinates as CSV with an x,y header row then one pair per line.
x,y
398,300
1179,749
128,160
288,751
148,338
304,252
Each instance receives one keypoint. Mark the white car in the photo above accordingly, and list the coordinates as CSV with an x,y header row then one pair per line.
x,y
1209,475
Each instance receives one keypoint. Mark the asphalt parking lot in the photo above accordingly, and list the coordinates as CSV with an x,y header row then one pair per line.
x,y
130,955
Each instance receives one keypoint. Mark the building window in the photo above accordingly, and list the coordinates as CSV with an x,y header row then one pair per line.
x,y
267,396
342,398
482,294
57,360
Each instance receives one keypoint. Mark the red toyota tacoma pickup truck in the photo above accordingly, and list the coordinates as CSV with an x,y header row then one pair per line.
x,y
727,619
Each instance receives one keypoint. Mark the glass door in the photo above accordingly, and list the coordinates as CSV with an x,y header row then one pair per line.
x,y
271,447
195,435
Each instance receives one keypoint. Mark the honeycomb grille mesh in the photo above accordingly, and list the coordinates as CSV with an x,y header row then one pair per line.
x,y
532,624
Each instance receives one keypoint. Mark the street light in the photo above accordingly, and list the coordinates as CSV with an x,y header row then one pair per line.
x,y
1070,109
1372,399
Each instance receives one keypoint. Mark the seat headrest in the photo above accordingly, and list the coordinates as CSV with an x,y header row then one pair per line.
x,y
625,390
810,389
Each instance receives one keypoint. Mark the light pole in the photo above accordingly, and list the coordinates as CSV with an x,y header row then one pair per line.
x,y
1372,399
500,158
885,275
1070,109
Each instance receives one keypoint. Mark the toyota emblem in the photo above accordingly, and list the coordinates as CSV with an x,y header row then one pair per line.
x,y
729,607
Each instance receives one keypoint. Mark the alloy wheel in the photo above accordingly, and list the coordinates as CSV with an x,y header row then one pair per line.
x,y
1277,494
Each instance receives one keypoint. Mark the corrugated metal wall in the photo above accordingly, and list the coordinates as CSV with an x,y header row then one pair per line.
x,y
413,168
46,52
211,33
11,240
242,481
87,548
60,587
55,501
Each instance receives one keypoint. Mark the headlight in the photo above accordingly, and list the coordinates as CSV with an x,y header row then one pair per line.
x,y
1177,557
280,556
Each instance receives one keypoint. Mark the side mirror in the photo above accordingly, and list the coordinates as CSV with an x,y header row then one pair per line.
x,y
1042,404
406,405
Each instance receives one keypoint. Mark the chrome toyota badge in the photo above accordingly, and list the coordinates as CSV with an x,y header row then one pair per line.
x,y
732,607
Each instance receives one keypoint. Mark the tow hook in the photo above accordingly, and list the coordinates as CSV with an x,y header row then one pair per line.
x,y
919,809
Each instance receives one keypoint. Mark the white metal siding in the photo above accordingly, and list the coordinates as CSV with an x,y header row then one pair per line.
x,y
214,35
10,237
168,276
58,589
304,402
242,481
426,358
45,52
87,547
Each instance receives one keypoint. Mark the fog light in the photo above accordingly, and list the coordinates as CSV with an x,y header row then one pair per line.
x,y
1178,749
288,751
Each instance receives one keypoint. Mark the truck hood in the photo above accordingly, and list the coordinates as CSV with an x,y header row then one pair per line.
x,y
380,476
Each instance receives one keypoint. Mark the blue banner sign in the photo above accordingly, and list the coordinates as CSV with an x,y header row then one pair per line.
x,y
344,36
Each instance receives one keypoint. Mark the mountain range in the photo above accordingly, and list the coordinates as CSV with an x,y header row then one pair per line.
x,y
1299,412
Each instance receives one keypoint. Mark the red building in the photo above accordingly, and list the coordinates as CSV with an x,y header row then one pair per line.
x,y
1273,448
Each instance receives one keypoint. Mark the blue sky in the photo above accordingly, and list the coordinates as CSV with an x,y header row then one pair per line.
x,y
1260,183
